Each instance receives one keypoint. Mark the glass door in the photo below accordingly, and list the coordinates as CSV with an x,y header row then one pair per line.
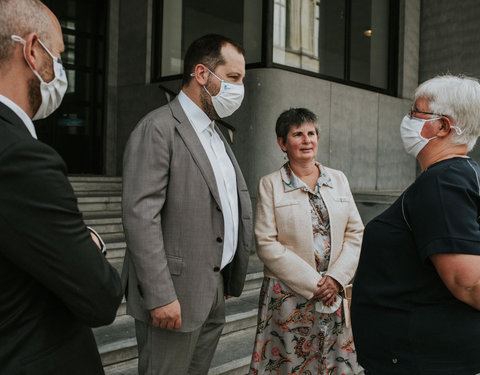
x,y
76,129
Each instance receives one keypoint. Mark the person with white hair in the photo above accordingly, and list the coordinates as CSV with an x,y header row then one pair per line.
x,y
55,284
416,295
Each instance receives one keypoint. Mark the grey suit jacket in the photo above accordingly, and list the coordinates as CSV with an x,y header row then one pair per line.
x,y
173,220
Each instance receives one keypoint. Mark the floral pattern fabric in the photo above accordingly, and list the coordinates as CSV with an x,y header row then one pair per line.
x,y
292,338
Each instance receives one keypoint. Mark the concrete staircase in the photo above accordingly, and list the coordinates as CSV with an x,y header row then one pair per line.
x,y
99,199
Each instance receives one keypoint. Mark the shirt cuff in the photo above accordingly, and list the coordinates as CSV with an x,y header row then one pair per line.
x,y
104,247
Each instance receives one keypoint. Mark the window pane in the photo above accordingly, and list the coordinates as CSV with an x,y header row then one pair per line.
x,y
75,130
332,38
186,20
369,42
343,39
296,34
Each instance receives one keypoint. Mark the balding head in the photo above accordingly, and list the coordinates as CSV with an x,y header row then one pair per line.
x,y
21,17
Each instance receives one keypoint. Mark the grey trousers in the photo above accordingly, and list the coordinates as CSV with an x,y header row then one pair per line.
x,y
162,352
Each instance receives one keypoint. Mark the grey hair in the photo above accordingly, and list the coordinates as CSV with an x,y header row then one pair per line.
x,y
457,97
21,17
294,117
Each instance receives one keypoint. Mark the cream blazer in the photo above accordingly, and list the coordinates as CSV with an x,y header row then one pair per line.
x,y
284,238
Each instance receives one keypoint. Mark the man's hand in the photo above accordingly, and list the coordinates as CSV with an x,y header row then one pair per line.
x,y
95,239
327,291
168,316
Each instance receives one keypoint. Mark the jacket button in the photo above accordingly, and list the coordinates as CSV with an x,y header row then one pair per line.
x,y
394,361
218,208
219,239
216,269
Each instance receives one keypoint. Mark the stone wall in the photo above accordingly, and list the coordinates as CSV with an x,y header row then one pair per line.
x,y
359,128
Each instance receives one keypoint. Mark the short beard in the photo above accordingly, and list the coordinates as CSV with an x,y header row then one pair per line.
x,y
207,106
34,94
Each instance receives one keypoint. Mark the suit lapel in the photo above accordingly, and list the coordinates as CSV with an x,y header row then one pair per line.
x,y
10,117
189,136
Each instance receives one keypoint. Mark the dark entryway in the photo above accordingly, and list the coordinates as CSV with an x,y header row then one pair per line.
x,y
76,129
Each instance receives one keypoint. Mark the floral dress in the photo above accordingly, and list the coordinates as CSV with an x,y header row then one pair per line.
x,y
292,338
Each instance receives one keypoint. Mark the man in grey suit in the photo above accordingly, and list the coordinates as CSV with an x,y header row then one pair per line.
x,y
187,215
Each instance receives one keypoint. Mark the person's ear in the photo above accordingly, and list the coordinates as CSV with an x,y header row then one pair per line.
x,y
281,143
32,50
201,74
445,127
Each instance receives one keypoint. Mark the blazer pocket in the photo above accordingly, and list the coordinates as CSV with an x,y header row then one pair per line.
x,y
287,203
175,265
288,216
342,198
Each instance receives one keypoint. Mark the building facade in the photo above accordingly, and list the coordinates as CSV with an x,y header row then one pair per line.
x,y
355,63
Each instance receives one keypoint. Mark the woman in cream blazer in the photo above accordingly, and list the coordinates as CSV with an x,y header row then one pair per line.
x,y
308,233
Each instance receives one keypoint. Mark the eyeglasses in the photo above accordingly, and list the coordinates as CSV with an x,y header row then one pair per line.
x,y
413,111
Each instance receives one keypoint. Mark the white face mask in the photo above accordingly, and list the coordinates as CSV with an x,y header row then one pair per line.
x,y
411,133
229,98
53,91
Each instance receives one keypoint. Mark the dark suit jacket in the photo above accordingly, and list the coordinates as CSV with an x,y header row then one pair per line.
x,y
173,220
54,282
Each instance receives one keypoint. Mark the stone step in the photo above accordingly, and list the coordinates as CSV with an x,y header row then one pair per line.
x,y
106,225
122,368
116,250
117,237
104,204
99,185
233,353
117,343
89,215
241,313
88,178
253,281
98,193
232,356
122,309
117,263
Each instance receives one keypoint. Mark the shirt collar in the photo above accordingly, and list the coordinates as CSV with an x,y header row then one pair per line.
x,y
195,114
292,182
20,113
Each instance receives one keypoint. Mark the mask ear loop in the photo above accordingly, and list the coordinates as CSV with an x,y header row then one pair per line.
x,y
204,87
18,39
458,130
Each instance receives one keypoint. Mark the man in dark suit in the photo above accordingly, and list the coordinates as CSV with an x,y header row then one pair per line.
x,y
187,215
54,281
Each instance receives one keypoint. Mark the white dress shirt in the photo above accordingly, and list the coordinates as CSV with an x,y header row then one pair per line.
x,y
222,168
20,113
